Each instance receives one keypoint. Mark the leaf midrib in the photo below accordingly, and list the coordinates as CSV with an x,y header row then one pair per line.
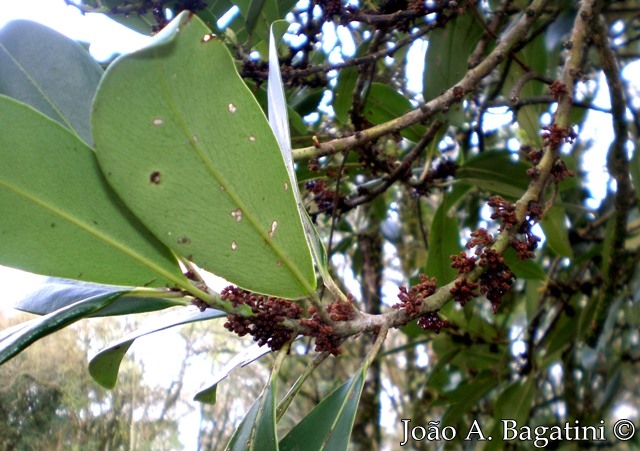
x,y
166,92
92,231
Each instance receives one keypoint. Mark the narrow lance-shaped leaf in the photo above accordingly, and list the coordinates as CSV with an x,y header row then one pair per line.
x,y
184,143
58,216
104,366
18,338
278,119
257,431
49,71
248,355
329,424
56,293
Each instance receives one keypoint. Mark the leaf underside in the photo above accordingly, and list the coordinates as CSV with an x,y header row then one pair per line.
x,y
184,143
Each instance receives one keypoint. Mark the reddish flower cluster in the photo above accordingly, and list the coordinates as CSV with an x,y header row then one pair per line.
x,y
432,321
560,171
480,238
554,135
322,196
503,211
497,278
558,90
269,312
342,310
463,263
322,333
411,300
464,291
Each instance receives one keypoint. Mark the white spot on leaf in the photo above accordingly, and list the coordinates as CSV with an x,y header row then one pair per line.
x,y
274,224
286,186
206,38
158,121
194,138
278,262
252,138
221,188
237,215
232,108
234,245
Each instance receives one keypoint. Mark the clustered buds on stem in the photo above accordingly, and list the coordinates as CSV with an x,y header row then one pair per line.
x,y
269,312
411,300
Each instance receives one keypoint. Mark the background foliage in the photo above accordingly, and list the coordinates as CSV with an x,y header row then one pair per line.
x,y
489,279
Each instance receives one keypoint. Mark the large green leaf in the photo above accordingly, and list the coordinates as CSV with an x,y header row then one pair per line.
x,y
328,426
55,293
50,72
19,337
384,104
444,241
513,405
104,366
555,230
58,215
497,173
184,143
447,59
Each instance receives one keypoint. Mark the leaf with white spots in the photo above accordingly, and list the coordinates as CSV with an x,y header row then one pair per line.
x,y
184,143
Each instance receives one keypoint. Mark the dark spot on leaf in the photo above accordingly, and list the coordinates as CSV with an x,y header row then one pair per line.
x,y
183,240
155,178
53,224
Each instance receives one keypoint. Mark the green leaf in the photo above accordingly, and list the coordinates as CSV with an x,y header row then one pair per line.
x,y
466,394
55,293
328,426
384,104
447,59
201,166
555,230
496,172
16,339
444,241
258,429
70,223
50,72
250,354
346,84
524,269
514,403
104,366
534,55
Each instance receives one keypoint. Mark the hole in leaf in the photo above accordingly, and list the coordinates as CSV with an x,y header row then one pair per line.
x,y
155,178
234,245
232,108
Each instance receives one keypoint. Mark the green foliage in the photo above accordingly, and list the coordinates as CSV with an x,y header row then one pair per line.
x,y
212,185
175,170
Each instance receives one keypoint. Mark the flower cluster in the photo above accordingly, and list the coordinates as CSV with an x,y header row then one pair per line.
x,y
503,211
554,135
432,321
322,196
462,263
268,313
464,290
496,279
411,300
